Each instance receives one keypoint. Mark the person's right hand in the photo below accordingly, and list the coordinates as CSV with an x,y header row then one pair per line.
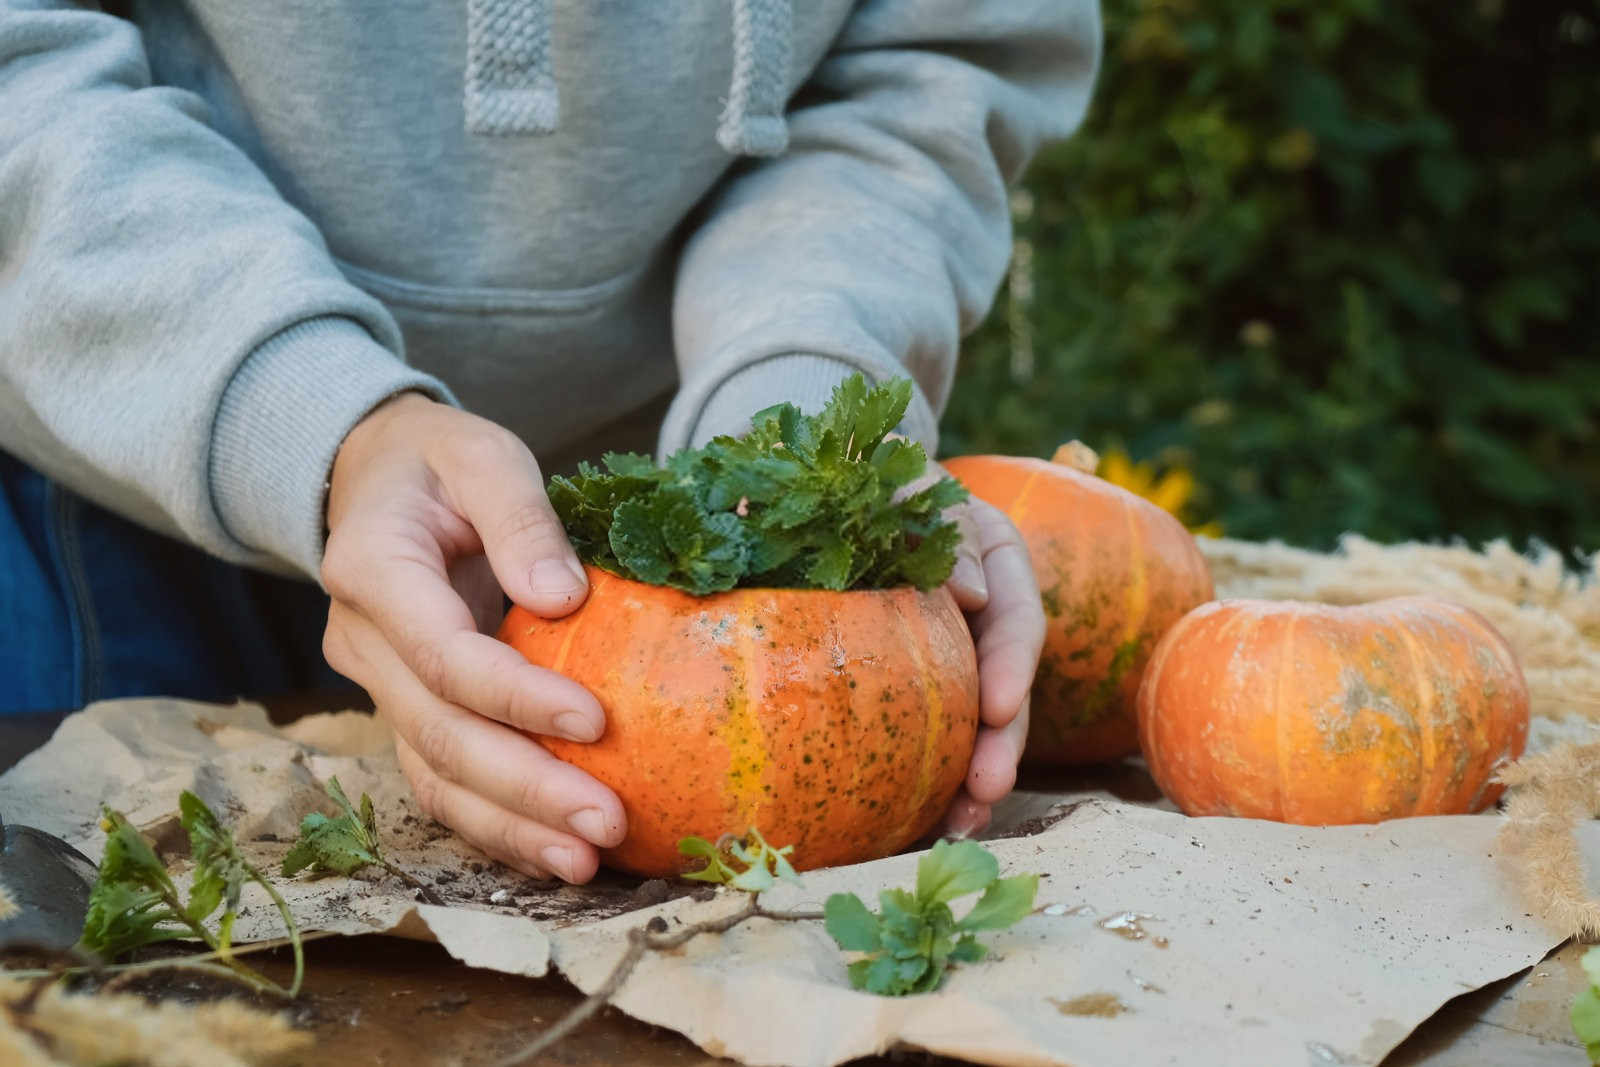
x,y
432,512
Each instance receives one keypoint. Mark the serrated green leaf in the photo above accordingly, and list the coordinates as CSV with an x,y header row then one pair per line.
x,y
953,869
220,871
131,903
327,846
801,500
1005,902
123,917
630,465
128,857
637,543
899,462
830,566
850,924
341,845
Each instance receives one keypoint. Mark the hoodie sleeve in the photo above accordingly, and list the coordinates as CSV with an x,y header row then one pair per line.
x,y
879,238
176,343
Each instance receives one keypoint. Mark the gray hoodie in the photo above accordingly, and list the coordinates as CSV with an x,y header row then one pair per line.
x,y
229,229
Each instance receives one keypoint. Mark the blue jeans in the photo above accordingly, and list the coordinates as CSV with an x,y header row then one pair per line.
x,y
93,607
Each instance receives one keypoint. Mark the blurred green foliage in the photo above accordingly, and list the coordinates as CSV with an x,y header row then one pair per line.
x,y
1339,258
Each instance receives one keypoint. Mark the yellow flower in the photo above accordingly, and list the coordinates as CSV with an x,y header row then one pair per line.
x,y
1170,492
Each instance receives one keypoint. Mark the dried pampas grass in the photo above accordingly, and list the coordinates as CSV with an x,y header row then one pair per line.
x,y
1548,613
52,1028
1550,793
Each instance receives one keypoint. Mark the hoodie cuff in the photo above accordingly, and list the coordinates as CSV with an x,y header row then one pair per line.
x,y
280,423
802,379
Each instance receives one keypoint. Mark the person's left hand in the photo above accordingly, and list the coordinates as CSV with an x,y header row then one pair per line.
x,y
993,583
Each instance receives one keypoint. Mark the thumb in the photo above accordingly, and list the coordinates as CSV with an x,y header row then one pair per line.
x,y
497,487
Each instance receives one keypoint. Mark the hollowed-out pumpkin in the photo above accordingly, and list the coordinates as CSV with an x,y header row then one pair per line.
x,y
1114,571
1313,714
839,722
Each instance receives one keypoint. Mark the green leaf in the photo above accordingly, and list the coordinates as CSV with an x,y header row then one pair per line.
x,y
954,869
133,901
762,865
858,973
899,462
806,501
830,567
630,465
1005,902
913,939
909,971
342,845
883,975
328,846
850,924
123,917
220,871
968,950
1585,1016
129,858
1591,965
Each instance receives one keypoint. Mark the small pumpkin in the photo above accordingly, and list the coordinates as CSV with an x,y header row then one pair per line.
x,y
1314,714
1114,570
839,722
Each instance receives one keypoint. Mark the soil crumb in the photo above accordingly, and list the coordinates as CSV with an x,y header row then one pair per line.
x,y
1094,1005
1036,825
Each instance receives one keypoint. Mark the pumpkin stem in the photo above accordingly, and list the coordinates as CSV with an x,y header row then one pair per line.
x,y
1078,456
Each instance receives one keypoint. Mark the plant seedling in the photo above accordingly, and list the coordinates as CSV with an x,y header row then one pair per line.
x,y
915,937
344,844
135,902
763,864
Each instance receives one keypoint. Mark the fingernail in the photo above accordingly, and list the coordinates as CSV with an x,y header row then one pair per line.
x,y
970,575
589,824
558,860
553,577
576,726
577,571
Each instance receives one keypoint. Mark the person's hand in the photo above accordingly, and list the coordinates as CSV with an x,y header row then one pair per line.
x,y
432,512
993,583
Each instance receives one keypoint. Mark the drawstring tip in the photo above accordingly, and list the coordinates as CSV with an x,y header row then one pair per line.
x,y
755,135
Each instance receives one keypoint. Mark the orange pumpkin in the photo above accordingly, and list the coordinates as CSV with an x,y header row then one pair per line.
x,y
1312,714
1115,571
840,723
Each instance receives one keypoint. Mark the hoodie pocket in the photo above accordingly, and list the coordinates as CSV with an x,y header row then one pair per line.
x,y
486,300
552,366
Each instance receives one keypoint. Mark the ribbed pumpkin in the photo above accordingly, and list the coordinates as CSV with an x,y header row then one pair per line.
x,y
840,723
1312,714
1115,571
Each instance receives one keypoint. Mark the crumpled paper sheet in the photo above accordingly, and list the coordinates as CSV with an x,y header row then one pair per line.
x,y
1282,944
137,755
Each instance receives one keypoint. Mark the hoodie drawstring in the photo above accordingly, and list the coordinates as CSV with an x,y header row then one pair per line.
x,y
752,122
510,85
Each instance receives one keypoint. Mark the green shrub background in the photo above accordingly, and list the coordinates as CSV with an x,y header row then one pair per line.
x,y
1338,258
